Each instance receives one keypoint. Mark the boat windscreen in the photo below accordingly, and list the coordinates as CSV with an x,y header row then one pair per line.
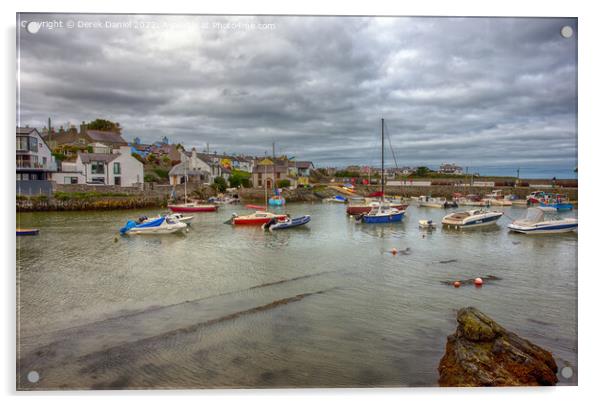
x,y
534,215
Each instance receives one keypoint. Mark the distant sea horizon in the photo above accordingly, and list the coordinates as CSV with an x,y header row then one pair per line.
x,y
526,172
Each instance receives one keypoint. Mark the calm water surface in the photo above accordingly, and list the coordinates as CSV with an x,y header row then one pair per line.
x,y
324,305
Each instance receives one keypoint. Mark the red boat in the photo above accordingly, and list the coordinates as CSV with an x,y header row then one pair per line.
x,y
257,218
367,207
192,207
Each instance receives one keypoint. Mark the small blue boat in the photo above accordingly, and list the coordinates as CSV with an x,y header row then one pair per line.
x,y
27,232
288,223
559,206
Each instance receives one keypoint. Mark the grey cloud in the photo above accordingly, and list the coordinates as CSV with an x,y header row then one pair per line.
x,y
477,91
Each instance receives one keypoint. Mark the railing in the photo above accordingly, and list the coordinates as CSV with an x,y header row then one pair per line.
x,y
28,164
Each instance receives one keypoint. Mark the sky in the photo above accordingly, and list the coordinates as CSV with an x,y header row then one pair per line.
x,y
479,92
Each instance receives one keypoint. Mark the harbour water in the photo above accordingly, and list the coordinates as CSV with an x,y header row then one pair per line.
x,y
321,306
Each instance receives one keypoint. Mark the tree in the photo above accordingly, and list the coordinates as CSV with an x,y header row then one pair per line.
x,y
105,125
422,171
238,178
284,183
139,158
219,184
166,160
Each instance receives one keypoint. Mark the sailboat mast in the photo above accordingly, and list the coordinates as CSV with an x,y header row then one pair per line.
x,y
185,181
382,159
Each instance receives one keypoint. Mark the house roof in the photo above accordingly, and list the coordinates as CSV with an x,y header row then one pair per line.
x,y
261,169
105,158
25,131
103,136
303,164
178,169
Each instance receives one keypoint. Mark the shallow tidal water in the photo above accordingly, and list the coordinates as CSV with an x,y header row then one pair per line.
x,y
321,306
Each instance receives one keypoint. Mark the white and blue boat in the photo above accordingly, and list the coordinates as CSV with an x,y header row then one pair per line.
x,y
161,225
535,223
383,213
288,223
471,218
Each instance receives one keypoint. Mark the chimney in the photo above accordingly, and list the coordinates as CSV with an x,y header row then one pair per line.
x,y
193,157
82,128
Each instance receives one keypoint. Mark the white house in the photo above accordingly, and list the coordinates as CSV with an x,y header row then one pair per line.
x,y
34,158
117,168
191,166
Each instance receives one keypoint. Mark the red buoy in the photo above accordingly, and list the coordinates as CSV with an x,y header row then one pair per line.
x,y
457,284
478,282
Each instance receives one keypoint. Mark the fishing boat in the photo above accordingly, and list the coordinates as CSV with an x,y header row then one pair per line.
x,y
471,218
383,212
535,223
162,225
430,202
427,224
27,232
335,199
190,207
256,218
287,223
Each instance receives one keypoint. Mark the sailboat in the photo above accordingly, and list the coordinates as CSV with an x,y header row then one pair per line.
x,y
190,207
383,212
259,217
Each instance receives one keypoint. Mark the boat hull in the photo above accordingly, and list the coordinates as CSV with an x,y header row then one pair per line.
x,y
360,209
258,221
27,232
192,209
392,218
158,230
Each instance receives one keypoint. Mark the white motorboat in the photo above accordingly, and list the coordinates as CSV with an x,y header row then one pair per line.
x,y
173,216
535,223
161,225
427,224
471,218
430,202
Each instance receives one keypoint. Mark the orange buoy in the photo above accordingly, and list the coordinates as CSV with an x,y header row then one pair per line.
x,y
394,251
478,282
457,284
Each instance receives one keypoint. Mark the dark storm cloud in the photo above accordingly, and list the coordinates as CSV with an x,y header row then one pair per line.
x,y
476,91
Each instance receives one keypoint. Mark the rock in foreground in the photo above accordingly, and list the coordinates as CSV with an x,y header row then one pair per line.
x,y
482,353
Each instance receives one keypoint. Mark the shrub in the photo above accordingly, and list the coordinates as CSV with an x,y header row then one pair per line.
x,y
219,183
150,177
161,173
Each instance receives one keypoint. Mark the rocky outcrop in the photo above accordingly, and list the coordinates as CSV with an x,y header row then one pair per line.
x,y
482,353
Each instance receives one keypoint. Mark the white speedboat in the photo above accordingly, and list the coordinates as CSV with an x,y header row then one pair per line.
x,y
471,218
162,225
535,223
173,216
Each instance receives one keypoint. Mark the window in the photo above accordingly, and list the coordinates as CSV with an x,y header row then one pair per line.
x,y
116,168
70,180
22,143
98,167
33,144
44,161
